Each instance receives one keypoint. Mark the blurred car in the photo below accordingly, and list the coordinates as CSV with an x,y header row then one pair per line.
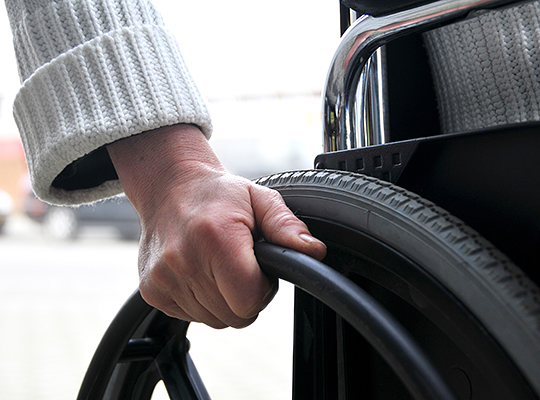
x,y
6,207
67,222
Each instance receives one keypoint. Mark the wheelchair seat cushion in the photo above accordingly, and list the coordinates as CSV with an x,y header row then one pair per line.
x,y
487,69
382,7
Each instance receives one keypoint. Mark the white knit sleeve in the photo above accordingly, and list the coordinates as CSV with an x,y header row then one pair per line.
x,y
93,72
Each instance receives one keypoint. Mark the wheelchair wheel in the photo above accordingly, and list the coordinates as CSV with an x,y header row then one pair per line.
x,y
472,311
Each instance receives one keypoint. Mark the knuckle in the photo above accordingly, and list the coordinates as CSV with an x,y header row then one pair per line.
x,y
170,256
209,228
250,308
285,218
242,323
160,276
152,296
284,222
273,195
217,324
174,265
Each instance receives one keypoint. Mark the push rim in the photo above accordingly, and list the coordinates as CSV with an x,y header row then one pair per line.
x,y
428,268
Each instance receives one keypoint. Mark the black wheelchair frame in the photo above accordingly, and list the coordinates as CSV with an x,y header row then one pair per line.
x,y
355,327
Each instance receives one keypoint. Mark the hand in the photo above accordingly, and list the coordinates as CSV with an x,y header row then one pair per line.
x,y
196,259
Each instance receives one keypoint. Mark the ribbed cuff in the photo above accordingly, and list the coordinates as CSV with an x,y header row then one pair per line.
x,y
119,84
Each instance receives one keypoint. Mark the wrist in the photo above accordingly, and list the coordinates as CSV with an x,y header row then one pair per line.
x,y
153,164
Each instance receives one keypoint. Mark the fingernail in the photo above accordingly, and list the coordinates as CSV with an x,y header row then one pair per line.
x,y
308,238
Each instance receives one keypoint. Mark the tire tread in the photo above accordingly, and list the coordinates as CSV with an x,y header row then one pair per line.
x,y
500,273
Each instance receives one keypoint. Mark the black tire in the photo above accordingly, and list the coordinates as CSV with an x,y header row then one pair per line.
x,y
474,312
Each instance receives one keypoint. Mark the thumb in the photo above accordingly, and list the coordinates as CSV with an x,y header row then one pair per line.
x,y
278,225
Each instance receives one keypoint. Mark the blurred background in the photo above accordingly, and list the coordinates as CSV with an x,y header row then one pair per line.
x,y
65,273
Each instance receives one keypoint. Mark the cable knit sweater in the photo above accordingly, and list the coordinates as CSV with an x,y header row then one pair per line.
x,y
93,72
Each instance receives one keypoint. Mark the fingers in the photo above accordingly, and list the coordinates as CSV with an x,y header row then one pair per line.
x,y
219,284
189,300
278,225
246,289
197,261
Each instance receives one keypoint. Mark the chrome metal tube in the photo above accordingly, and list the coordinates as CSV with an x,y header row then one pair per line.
x,y
360,41
370,124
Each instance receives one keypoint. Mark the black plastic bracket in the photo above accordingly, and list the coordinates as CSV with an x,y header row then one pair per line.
x,y
490,179
385,162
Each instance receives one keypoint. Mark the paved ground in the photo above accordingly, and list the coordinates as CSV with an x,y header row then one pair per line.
x,y
57,298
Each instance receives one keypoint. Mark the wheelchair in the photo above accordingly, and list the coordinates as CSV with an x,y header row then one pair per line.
x,y
430,286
